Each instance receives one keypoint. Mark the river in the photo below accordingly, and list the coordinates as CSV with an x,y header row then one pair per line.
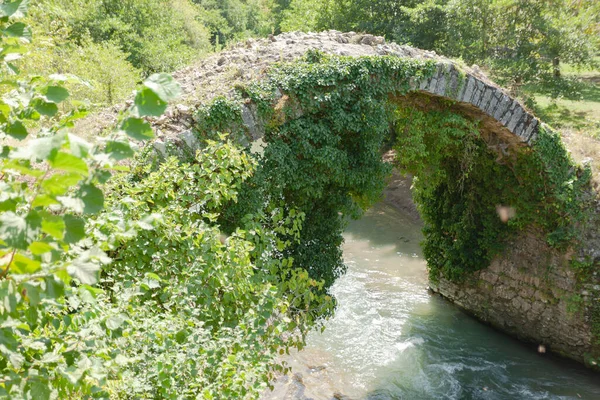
x,y
391,339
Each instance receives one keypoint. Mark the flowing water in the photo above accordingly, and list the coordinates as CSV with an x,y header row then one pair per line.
x,y
391,339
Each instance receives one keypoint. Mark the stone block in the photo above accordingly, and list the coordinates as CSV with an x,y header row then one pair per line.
x,y
477,93
494,100
516,118
469,88
503,105
531,131
509,113
486,98
442,81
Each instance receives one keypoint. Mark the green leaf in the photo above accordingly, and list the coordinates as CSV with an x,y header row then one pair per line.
x,y
137,129
39,248
54,226
45,108
16,9
93,199
149,103
19,30
17,130
39,391
55,289
74,229
23,167
74,204
43,201
79,147
40,149
164,86
55,94
68,162
32,291
118,150
16,231
114,322
84,270
59,184
24,265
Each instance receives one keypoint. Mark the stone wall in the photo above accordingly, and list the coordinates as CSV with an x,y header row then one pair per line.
x,y
531,292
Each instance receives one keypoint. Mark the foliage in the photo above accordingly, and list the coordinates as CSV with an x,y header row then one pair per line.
x,y
521,41
155,36
201,314
105,67
459,184
231,20
324,140
181,309
326,160
50,186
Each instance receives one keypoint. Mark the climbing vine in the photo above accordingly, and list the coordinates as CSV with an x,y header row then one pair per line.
x,y
461,183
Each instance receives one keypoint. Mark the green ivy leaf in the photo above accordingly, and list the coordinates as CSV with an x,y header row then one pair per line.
x,y
137,129
149,103
164,86
17,130
55,94
69,163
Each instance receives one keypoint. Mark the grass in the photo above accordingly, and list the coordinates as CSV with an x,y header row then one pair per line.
x,y
571,103
572,106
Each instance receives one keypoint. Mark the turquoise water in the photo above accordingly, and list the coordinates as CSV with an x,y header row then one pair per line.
x,y
391,339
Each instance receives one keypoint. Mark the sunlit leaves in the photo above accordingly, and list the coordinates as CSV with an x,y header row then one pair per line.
x,y
152,99
118,150
17,231
18,30
165,87
137,128
15,9
17,130
93,199
69,163
55,94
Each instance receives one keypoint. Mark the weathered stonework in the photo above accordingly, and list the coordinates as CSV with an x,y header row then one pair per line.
x,y
532,293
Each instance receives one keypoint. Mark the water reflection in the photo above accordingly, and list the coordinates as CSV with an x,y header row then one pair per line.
x,y
391,339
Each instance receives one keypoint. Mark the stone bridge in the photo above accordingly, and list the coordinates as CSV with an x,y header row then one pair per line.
x,y
468,88
528,292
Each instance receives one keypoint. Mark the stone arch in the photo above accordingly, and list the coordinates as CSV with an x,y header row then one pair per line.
x,y
507,124
469,89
